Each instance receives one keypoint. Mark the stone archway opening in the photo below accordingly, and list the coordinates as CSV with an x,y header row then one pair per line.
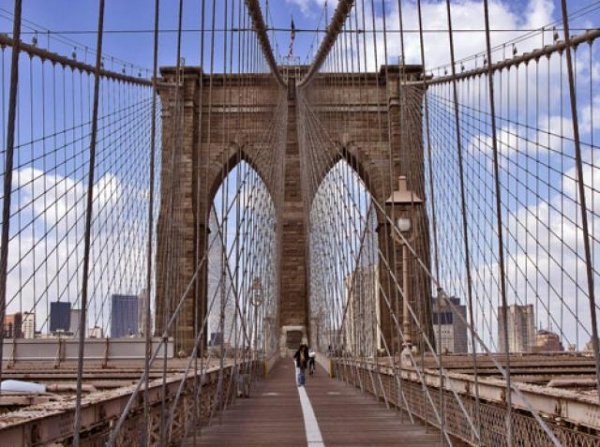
x,y
241,294
344,265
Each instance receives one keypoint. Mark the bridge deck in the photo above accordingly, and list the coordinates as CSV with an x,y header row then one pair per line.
x,y
273,416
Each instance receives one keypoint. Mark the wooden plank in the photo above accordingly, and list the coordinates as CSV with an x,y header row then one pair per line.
x,y
348,417
272,416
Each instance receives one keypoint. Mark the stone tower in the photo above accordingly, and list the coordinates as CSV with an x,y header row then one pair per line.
x,y
210,123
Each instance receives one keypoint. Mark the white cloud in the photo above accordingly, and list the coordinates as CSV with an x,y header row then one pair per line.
x,y
538,13
508,140
590,113
544,262
553,133
45,257
544,228
467,18
309,8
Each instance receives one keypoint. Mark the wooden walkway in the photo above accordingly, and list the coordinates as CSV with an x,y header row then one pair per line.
x,y
273,416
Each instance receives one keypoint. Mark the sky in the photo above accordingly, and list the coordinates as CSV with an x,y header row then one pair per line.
x,y
128,25
128,45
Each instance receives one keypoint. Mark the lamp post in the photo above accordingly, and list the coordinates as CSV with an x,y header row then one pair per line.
x,y
403,204
320,314
267,334
256,302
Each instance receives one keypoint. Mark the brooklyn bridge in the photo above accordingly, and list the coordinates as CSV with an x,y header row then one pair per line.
x,y
409,189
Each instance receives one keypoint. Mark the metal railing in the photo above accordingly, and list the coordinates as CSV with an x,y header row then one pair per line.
x,y
392,389
52,422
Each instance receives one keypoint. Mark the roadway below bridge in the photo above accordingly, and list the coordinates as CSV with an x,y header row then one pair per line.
x,y
325,412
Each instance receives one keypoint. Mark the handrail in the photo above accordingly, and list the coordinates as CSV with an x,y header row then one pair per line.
x,y
557,405
55,58
525,58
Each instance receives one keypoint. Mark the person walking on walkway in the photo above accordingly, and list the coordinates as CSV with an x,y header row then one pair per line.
x,y
301,359
311,361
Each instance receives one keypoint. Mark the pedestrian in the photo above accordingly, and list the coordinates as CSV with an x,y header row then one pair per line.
x,y
301,359
311,361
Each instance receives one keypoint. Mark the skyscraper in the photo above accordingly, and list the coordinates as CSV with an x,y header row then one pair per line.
x,y
521,329
74,325
142,312
28,325
450,330
220,290
60,316
124,316
547,341
361,324
13,325
95,332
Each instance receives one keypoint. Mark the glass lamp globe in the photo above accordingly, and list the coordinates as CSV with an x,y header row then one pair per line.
x,y
403,224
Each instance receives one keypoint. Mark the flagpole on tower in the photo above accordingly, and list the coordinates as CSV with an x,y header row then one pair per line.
x,y
292,39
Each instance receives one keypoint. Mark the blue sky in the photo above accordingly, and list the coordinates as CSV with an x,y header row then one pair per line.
x,y
79,20
136,48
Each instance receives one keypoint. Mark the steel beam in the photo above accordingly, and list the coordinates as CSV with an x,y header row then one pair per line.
x,y
260,29
525,58
333,31
554,403
52,422
45,55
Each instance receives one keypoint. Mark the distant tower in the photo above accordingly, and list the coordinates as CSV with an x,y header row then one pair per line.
x,y
142,313
449,329
521,329
28,325
548,341
219,287
13,325
60,316
362,321
75,317
95,332
124,316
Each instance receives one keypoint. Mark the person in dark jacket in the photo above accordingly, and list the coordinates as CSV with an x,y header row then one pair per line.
x,y
311,361
301,359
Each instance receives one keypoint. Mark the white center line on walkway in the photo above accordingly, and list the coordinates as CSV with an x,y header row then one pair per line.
x,y
311,426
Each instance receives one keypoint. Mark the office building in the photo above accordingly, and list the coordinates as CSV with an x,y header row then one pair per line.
x,y
75,317
548,341
521,329
220,291
362,335
13,325
95,332
589,347
60,316
449,328
28,325
124,316
216,339
142,297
